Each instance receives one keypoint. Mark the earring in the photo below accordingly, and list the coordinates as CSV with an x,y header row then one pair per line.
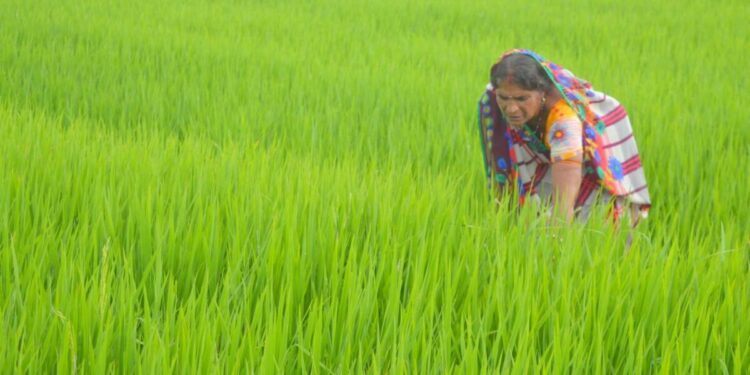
x,y
544,100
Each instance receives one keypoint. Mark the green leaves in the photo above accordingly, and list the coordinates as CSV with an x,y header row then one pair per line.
x,y
214,187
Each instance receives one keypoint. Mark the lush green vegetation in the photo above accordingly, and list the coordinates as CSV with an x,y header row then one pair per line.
x,y
295,186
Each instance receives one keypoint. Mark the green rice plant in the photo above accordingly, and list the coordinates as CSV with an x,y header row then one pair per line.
x,y
296,187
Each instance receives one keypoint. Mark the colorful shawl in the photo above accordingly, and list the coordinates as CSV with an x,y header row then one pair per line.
x,y
611,159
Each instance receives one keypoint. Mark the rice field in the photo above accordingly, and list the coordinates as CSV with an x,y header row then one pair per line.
x,y
297,187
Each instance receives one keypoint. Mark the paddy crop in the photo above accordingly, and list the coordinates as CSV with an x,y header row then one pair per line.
x,y
297,186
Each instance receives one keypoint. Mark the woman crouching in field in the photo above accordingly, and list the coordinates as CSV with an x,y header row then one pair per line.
x,y
548,137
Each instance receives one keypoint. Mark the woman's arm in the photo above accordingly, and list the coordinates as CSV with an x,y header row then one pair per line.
x,y
564,137
566,181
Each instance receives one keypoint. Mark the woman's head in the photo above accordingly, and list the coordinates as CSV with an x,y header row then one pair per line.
x,y
521,87
521,70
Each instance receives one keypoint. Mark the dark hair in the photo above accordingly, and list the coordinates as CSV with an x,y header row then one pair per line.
x,y
521,70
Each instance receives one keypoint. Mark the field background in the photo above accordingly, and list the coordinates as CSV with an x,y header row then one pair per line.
x,y
297,186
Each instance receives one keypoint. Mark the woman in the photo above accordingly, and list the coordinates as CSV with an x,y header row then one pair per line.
x,y
549,137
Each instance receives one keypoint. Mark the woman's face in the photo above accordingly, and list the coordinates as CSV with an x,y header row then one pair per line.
x,y
518,105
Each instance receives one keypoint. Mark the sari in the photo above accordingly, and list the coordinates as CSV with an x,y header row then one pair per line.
x,y
518,161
